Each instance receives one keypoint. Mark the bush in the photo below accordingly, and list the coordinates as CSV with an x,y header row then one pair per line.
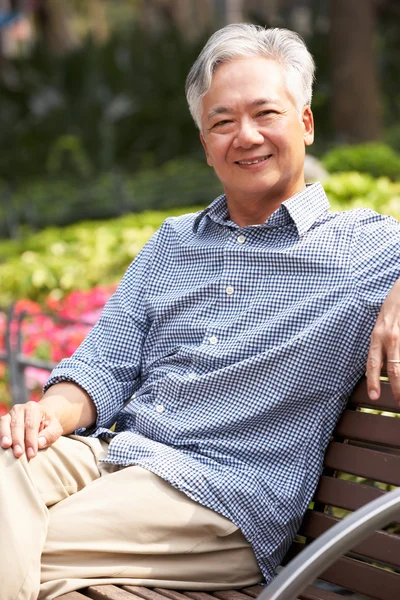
x,y
77,257
376,159
62,201
357,190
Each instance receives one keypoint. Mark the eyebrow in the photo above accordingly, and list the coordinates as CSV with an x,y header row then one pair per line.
x,y
220,110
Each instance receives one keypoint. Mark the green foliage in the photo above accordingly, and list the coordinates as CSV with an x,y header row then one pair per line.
x,y
121,103
61,200
379,160
68,154
358,190
76,257
124,101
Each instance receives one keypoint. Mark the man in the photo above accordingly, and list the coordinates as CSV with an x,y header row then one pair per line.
x,y
241,329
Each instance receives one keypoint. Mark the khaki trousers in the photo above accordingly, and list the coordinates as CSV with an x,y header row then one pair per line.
x,y
68,521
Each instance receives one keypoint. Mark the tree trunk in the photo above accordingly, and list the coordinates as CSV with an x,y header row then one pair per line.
x,y
97,19
235,11
192,17
55,26
355,91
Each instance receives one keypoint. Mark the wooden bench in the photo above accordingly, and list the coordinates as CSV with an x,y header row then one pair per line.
x,y
365,445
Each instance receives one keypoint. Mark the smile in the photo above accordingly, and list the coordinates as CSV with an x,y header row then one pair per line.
x,y
254,161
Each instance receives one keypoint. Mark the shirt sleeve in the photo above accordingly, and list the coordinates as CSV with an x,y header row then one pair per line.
x,y
108,362
375,258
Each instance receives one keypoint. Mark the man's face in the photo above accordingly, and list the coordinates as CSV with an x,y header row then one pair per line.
x,y
252,133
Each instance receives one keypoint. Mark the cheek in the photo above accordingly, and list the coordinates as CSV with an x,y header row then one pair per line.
x,y
217,152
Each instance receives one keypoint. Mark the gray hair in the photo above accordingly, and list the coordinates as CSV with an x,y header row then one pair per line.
x,y
242,40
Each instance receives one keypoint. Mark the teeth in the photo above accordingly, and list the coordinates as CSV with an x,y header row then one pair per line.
x,y
252,162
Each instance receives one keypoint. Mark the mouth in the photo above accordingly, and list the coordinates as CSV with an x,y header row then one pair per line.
x,y
253,161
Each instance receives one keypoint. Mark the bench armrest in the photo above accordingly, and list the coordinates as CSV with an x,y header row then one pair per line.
x,y
323,551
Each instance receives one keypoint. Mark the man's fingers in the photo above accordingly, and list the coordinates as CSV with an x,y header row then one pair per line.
x,y
49,434
393,359
17,414
28,428
393,371
374,366
5,431
33,419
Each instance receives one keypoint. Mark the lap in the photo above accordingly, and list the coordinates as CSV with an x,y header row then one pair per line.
x,y
137,507
133,525
65,467
129,524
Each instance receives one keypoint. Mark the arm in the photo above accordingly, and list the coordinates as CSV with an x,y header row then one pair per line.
x,y
375,263
36,425
96,380
385,345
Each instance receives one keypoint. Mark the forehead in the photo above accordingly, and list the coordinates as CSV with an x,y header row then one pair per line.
x,y
245,80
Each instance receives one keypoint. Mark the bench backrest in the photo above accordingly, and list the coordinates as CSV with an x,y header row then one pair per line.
x,y
361,463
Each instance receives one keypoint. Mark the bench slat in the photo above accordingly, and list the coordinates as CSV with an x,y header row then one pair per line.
x,y
363,578
375,429
149,593
199,595
364,462
341,493
72,596
230,595
311,593
108,592
172,594
314,593
380,546
253,591
386,402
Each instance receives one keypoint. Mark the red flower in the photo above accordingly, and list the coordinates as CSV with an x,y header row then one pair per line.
x,y
47,336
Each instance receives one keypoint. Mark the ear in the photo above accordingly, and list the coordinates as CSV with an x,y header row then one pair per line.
x,y
204,144
308,125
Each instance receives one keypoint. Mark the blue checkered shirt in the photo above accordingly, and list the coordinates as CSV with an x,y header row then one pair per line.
x,y
242,345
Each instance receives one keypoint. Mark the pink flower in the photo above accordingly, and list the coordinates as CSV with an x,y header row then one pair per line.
x,y
47,336
35,377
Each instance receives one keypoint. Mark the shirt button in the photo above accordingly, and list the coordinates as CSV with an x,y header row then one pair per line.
x,y
241,239
160,408
229,290
213,340
192,375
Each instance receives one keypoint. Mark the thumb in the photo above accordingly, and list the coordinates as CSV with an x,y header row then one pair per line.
x,y
50,434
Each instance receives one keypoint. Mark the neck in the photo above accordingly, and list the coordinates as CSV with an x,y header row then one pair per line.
x,y
251,214
255,210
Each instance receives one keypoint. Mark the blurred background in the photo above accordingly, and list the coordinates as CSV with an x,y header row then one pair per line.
x,y
98,146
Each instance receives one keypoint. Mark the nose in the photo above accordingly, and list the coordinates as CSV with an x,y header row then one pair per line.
x,y
248,136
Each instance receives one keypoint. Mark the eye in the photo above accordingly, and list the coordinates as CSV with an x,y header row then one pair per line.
x,y
221,123
266,113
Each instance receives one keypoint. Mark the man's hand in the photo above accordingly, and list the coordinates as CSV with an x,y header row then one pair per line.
x,y
385,346
29,427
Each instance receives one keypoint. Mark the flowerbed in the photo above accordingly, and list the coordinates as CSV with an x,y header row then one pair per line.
x,y
49,332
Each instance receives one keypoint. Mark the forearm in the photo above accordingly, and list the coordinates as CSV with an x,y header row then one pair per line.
x,y
71,405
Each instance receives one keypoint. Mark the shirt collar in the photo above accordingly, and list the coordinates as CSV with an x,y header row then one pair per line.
x,y
303,209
